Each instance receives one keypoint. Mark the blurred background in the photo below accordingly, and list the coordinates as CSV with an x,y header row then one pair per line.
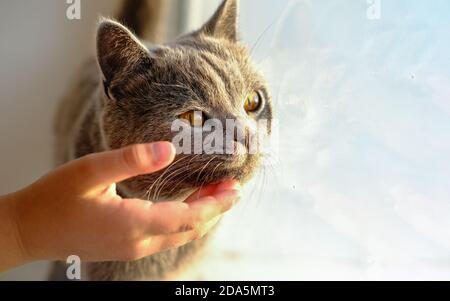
x,y
360,188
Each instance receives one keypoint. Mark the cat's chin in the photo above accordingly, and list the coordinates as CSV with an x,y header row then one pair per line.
x,y
172,184
179,196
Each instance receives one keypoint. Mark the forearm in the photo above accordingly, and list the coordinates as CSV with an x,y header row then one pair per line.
x,y
12,252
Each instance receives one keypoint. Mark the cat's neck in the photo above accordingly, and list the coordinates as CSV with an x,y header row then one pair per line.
x,y
89,138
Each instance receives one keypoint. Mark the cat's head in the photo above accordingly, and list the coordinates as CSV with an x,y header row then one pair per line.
x,y
148,87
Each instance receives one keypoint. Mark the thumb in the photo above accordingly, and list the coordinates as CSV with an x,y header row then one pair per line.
x,y
103,169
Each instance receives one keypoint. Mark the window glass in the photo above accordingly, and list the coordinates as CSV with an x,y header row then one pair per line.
x,y
360,187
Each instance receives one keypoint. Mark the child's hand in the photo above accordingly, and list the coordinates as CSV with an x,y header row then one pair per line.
x,y
75,210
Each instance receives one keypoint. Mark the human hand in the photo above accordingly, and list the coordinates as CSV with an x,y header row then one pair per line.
x,y
75,210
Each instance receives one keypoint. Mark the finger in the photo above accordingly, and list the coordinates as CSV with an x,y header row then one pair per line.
x,y
210,190
176,217
191,216
165,242
102,169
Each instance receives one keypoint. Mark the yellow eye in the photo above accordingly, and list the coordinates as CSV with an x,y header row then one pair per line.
x,y
194,118
253,102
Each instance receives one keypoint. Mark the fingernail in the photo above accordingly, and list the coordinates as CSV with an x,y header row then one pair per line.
x,y
160,151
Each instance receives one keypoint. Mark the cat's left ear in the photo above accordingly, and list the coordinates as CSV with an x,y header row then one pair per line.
x,y
118,50
224,23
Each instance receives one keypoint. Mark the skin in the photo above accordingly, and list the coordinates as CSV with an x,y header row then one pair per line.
x,y
74,210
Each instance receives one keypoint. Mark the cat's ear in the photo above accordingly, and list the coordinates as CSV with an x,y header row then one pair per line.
x,y
118,50
224,22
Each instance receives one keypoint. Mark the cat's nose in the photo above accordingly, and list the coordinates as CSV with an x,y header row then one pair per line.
x,y
242,133
237,130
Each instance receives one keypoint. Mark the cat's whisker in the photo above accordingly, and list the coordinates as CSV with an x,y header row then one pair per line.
x,y
215,169
156,182
270,164
253,188
199,174
211,173
183,178
168,178
263,33
172,85
263,186
204,167
172,176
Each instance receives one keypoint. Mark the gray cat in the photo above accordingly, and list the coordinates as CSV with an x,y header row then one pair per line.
x,y
133,92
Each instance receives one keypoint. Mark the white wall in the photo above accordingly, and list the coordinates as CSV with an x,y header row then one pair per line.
x,y
40,51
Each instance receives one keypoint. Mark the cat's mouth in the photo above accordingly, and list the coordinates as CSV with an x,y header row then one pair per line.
x,y
191,172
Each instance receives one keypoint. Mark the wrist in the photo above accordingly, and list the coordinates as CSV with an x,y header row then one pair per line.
x,y
13,252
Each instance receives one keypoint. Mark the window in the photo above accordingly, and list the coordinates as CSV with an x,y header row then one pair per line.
x,y
361,188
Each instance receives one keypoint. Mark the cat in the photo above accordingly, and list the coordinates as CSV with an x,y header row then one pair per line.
x,y
134,90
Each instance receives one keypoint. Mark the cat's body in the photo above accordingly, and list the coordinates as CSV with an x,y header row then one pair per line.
x,y
78,134
133,93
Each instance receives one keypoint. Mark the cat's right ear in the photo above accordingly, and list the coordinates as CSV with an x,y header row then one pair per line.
x,y
118,50
224,22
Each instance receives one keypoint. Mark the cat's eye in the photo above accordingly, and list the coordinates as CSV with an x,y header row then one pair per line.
x,y
253,102
194,118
